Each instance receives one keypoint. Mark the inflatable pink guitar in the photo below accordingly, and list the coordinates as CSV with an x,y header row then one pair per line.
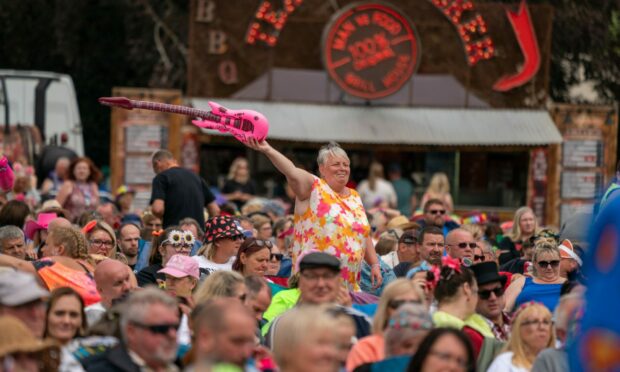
x,y
242,124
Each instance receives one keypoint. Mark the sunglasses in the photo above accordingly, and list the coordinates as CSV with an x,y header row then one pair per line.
x,y
395,304
546,264
479,258
160,329
437,211
486,294
464,245
277,256
261,243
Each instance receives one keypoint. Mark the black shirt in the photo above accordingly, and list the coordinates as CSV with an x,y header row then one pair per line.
x,y
247,188
184,195
402,269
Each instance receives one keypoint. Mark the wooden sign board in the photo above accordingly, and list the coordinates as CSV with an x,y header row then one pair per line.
x,y
136,134
588,155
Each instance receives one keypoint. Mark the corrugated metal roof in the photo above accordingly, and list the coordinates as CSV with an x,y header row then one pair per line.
x,y
400,125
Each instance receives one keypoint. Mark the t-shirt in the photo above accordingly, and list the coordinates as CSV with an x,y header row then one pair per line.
x,y
402,269
184,195
503,363
207,266
247,188
384,191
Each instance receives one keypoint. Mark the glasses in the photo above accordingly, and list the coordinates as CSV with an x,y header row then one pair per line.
x,y
447,358
479,258
261,243
437,211
486,294
311,277
277,256
538,322
546,264
395,304
99,242
464,245
159,329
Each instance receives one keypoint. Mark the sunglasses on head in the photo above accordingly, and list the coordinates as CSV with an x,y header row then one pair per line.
x,y
545,264
437,211
160,329
261,243
486,294
277,256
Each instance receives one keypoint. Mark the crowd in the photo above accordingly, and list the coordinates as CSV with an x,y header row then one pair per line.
x,y
327,278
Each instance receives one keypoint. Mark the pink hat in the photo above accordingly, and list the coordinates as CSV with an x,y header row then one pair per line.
x,y
181,266
43,220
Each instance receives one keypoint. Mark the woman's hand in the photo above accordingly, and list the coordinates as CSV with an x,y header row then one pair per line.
x,y
261,146
376,279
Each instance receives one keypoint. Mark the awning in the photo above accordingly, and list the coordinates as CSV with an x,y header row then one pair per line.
x,y
303,122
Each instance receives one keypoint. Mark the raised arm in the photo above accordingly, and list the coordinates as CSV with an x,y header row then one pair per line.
x,y
299,179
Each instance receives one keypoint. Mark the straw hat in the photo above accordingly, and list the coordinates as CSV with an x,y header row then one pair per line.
x,y
16,337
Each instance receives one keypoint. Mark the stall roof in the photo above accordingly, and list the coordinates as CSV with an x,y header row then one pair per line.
x,y
303,122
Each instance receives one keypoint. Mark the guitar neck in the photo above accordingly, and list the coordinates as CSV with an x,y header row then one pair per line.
x,y
174,109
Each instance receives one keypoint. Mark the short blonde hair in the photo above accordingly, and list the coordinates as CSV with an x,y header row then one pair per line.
x,y
218,284
296,328
331,149
516,344
396,288
543,246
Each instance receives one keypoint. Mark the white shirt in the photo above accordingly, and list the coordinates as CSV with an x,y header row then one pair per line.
x,y
383,190
94,313
503,363
391,259
210,266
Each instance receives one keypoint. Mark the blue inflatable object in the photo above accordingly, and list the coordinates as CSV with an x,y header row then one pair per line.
x,y
596,346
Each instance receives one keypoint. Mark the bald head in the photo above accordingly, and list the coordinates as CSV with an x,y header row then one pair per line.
x,y
113,279
58,222
460,244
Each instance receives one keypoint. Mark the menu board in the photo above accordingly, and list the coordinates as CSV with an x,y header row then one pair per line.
x,y
588,154
580,185
582,153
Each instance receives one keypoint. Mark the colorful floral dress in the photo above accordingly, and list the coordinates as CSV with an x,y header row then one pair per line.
x,y
336,225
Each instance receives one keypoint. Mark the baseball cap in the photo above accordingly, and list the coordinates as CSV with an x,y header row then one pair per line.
x,y
18,288
181,266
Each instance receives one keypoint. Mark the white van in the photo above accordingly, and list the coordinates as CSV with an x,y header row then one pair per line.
x,y
44,99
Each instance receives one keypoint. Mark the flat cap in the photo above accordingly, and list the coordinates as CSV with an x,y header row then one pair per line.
x,y
319,259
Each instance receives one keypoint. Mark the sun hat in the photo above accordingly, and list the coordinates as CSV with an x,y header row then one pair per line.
x,y
221,227
53,206
398,222
17,338
43,220
181,266
19,288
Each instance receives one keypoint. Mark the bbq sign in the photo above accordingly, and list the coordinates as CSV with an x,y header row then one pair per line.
x,y
370,50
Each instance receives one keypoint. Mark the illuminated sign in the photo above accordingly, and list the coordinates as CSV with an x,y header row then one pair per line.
x,y
269,21
472,30
370,50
